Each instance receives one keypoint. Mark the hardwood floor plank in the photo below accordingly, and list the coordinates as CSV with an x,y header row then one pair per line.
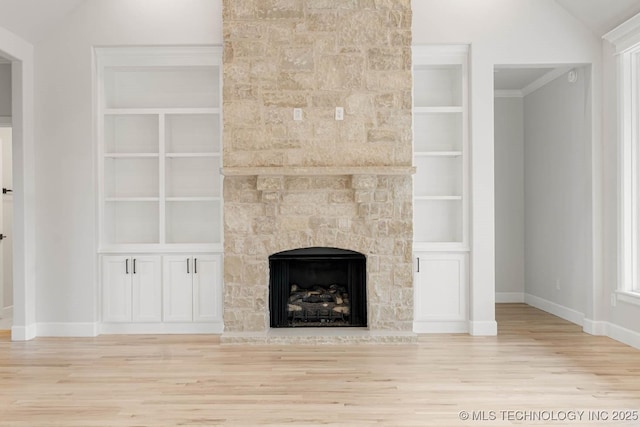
x,y
537,362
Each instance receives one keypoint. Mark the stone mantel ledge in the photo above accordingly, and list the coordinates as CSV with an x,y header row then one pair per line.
x,y
317,170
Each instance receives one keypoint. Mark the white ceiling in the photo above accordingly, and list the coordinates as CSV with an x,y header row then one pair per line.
x,y
601,16
517,78
33,19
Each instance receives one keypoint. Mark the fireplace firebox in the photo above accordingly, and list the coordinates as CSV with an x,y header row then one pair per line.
x,y
317,287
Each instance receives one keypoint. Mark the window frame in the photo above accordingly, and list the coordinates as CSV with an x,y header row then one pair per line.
x,y
626,40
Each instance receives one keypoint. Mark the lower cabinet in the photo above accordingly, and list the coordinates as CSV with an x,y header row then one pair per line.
x,y
132,289
191,288
440,292
161,290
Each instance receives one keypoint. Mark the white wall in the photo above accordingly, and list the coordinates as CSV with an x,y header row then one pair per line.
x,y
5,90
502,32
499,31
67,284
509,194
557,129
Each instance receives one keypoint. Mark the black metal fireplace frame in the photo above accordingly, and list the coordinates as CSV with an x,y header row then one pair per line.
x,y
279,284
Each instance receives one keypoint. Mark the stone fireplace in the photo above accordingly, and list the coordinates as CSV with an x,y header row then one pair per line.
x,y
317,182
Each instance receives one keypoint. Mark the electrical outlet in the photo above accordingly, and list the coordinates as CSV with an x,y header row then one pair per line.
x,y
339,113
297,114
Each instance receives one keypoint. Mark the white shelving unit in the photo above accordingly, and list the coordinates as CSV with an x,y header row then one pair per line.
x,y
441,187
159,159
440,148
159,137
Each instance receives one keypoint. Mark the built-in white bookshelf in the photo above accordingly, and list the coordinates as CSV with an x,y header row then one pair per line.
x,y
440,116
441,188
160,206
159,138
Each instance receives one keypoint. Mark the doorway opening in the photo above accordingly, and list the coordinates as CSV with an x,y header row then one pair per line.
x,y
543,187
6,198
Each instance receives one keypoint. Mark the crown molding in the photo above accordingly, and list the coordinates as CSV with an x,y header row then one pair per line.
x,y
508,94
545,79
625,35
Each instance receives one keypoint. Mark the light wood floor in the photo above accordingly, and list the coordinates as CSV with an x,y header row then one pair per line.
x,y
537,362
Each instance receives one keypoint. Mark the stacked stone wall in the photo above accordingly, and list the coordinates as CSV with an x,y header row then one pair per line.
x,y
317,55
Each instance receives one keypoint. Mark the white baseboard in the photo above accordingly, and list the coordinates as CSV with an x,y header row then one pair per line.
x,y
162,328
624,335
509,297
483,328
440,327
595,327
62,329
555,309
23,333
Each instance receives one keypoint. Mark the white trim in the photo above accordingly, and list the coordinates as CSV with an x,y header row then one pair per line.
x,y
628,168
509,297
162,328
545,79
5,121
594,327
483,328
589,326
67,329
625,35
440,327
508,94
158,56
561,311
628,297
23,333
440,54
624,335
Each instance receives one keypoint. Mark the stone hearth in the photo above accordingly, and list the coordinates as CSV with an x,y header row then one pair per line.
x,y
318,182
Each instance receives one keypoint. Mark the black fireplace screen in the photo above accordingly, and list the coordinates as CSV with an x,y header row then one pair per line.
x,y
317,287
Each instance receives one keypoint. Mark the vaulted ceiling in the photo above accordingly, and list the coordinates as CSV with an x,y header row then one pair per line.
x,y
33,19
601,16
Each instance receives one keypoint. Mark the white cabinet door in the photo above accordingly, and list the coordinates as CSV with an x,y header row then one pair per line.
x,y
146,289
177,289
207,292
441,288
116,288
131,288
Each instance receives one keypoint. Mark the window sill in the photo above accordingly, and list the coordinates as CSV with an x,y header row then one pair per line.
x,y
629,297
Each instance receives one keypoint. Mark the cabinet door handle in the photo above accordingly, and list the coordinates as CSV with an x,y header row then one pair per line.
x,y
195,266
126,266
187,265
134,266
418,265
